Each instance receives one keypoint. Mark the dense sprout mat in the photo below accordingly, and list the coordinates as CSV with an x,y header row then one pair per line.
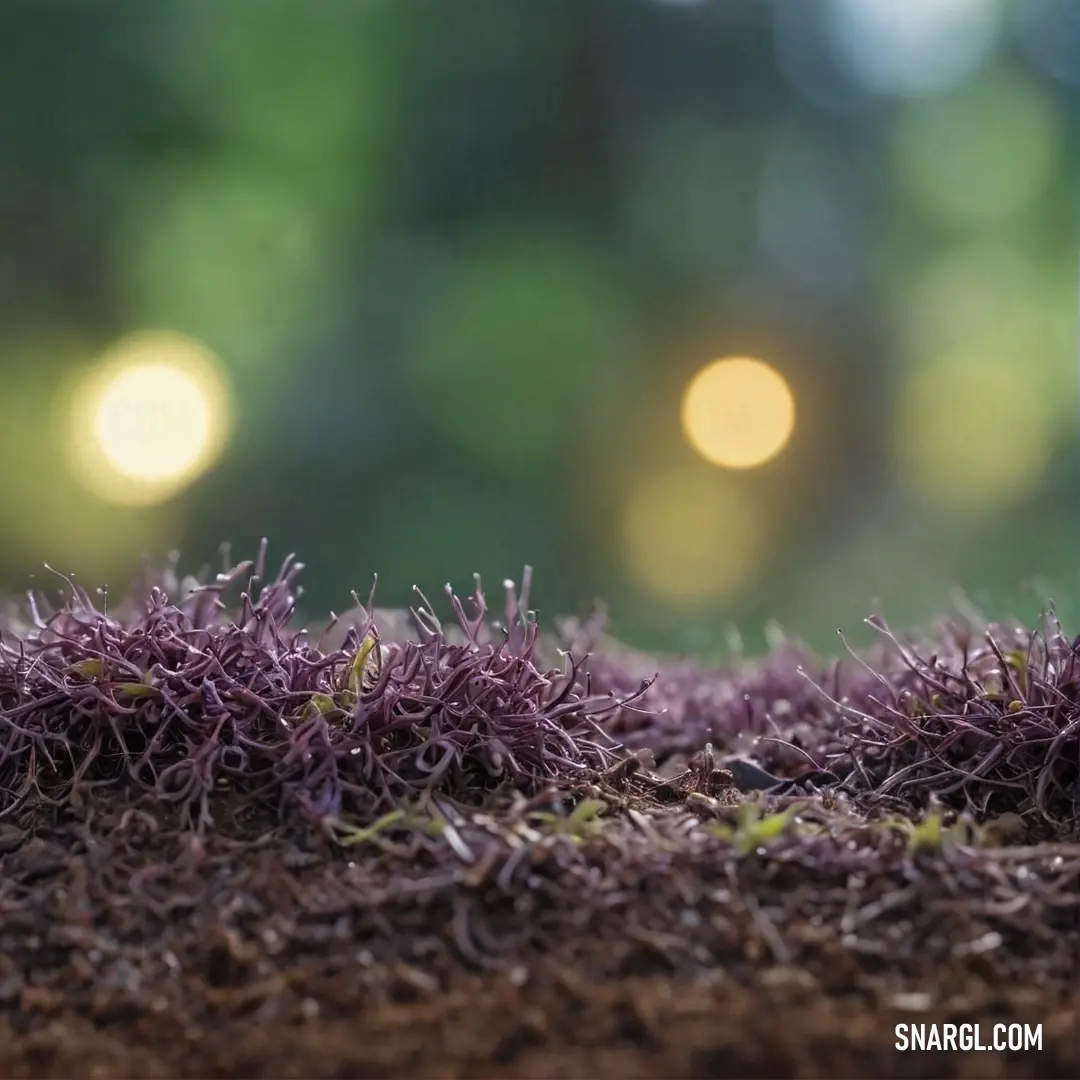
x,y
391,847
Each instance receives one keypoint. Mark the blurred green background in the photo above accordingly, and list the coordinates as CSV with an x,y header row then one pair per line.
x,y
422,287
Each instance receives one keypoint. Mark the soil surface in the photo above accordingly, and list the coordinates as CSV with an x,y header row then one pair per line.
x,y
633,945
226,851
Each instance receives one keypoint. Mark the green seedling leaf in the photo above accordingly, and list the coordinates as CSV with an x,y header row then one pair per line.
x,y
359,664
928,835
1018,662
324,703
584,819
349,835
752,830
88,669
135,689
587,810
900,825
1004,830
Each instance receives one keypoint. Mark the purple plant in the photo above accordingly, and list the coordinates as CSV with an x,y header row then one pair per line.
x,y
765,704
987,718
183,700
178,698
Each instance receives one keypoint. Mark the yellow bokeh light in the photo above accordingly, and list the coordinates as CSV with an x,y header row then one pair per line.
x,y
977,295
687,537
151,422
990,297
738,413
149,419
972,432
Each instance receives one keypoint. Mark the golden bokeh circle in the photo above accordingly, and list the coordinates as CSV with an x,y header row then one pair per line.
x,y
738,413
148,419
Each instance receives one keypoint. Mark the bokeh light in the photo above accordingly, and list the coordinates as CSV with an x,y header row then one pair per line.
x,y
810,218
980,155
982,294
234,254
738,413
912,46
513,342
287,81
988,295
149,419
689,537
806,56
151,422
971,432
1048,32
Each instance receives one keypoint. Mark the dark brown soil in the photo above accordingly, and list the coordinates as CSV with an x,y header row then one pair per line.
x,y
643,946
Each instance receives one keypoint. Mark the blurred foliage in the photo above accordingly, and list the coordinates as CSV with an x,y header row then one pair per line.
x,y
459,261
